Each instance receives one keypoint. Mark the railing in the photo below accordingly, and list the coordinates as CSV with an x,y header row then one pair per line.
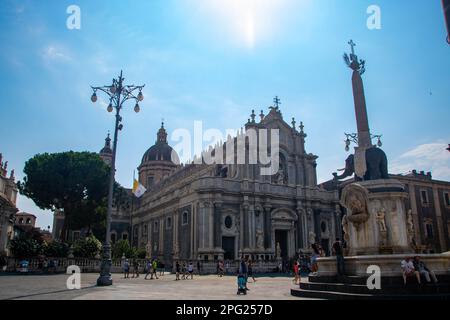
x,y
93,265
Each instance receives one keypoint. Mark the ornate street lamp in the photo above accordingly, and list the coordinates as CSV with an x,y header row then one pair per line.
x,y
118,94
353,137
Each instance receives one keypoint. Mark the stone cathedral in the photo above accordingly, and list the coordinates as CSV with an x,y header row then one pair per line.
x,y
210,212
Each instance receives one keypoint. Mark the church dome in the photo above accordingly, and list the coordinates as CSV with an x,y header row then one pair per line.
x,y
160,151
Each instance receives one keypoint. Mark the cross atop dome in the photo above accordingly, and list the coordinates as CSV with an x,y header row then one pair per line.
x,y
162,134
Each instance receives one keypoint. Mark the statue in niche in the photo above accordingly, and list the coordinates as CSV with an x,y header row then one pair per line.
x,y
259,239
312,237
278,250
381,219
410,222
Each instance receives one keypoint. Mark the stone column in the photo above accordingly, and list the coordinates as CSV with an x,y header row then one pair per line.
x,y
161,236
191,236
415,214
439,220
245,225
210,213
175,245
217,225
202,226
267,227
310,224
300,231
251,227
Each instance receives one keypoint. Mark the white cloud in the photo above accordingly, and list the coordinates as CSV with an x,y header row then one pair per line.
x,y
426,157
55,53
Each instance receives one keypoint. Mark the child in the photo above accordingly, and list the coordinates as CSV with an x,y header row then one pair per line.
x,y
241,284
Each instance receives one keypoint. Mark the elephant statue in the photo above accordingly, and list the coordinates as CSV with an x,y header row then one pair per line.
x,y
377,166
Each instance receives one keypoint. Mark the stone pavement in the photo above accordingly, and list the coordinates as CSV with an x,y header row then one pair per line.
x,y
210,287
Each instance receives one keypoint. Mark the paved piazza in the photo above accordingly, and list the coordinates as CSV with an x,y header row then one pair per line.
x,y
210,287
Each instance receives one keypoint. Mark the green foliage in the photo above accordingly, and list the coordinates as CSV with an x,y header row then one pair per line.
x,y
23,247
122,247
141,253
56,249
75,182
87,248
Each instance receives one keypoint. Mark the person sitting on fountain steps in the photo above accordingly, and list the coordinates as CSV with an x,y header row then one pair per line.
x,y
421,267
409,270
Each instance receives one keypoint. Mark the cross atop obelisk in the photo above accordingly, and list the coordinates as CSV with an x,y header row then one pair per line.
x,y
352,45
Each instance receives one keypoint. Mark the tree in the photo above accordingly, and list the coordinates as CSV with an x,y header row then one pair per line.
x,y
56,249
122,248
28,244
69,181
87,248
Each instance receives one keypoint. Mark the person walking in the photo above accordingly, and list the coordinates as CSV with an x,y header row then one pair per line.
x,y
244,271
147,269
191,270
296,273
135,268
126,269
250,271
338,252
183,271
154,269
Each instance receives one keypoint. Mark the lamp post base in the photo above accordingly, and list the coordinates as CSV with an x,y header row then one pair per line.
x,y
104,281
105,278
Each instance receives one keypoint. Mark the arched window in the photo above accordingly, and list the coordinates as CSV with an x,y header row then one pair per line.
x,y
184,218
28,221
21,221
169,223
228,222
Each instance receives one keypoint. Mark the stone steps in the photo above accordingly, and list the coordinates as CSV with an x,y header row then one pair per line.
x,y
410,288
392,288
332,295
385,281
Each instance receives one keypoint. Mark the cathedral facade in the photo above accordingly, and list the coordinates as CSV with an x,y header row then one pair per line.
x,y
225,211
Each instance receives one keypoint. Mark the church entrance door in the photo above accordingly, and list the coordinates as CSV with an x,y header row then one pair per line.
x,y
228,248
281,237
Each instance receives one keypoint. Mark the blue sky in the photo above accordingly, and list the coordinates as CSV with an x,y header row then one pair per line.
x,y
216,60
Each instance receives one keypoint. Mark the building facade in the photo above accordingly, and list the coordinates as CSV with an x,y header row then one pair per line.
x,y
8,209
210,212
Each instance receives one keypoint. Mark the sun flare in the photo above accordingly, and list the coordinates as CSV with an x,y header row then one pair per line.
x,y
246,22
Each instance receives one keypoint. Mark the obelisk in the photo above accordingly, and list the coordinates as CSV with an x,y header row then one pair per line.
x,y
362,121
